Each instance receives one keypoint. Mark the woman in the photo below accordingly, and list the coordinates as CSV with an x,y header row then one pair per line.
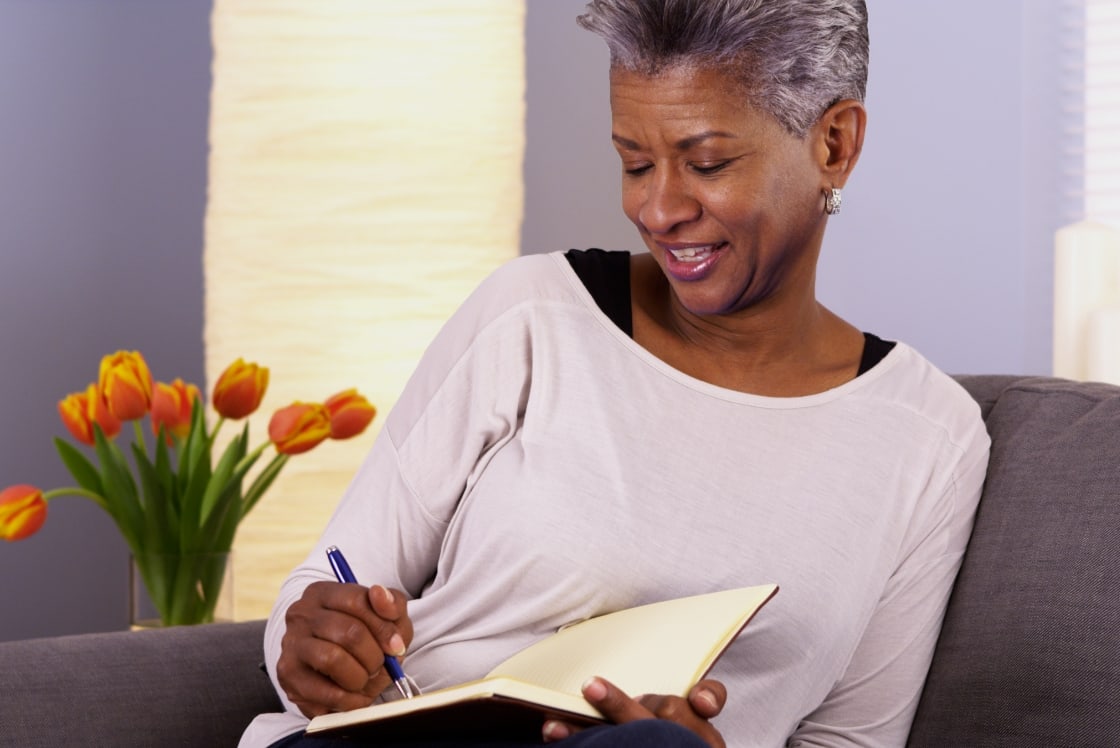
x,y
594,431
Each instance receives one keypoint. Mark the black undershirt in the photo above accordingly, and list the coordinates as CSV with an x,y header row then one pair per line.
x,y
606,275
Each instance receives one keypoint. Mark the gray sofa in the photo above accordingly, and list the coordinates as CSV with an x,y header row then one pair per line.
x,y
1029,653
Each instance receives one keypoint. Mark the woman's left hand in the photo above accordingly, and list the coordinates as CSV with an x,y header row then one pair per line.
x,y
705,701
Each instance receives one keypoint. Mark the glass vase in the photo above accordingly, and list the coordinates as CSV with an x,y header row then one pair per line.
x,y
175,589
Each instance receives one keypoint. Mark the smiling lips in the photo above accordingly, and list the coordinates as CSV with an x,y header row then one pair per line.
x,y
693,262
692,254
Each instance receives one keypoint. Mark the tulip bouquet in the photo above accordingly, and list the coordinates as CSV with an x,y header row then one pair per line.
x,y
178,512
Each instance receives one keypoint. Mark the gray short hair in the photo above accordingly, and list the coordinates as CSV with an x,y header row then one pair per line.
x,y
794,58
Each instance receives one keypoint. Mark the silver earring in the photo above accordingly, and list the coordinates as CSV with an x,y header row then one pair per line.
x,y
832,201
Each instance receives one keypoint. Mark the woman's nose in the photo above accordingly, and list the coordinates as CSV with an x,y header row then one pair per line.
x,y
666,204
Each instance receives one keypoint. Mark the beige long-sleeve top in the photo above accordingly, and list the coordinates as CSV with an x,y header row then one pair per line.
x,y
541,467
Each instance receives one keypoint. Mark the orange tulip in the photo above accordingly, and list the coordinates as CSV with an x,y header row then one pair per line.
x,y
80,410
126,384
171,407
240,389
299,427
22,511
350,414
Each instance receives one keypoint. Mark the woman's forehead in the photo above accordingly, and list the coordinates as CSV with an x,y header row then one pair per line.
x,y
684,102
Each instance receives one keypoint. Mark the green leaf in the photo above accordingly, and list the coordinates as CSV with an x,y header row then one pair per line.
x,y
220,480
165,475
262,482
160,532
79,466
222,523
119,490
222,526
196,448
191,501
231,509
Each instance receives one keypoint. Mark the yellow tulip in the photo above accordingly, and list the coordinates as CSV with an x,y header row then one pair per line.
x,y
240,389
350,413
22,511
126,384
299,427
171,407
80,410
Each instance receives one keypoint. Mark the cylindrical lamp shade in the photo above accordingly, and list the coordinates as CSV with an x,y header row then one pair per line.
x,y
1086,279
1102,339
365,174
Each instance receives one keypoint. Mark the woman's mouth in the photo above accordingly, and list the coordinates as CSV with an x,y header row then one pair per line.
x,y
692,263
692,254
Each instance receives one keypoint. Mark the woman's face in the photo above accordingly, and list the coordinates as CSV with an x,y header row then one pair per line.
x,y
727,201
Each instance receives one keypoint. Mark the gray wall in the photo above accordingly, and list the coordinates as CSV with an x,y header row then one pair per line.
x,y
103,157
946,235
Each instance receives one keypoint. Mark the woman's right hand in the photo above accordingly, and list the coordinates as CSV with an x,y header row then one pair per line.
x,y
332,655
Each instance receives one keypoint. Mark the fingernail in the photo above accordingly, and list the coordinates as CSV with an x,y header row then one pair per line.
x,y
594,690
708,698
553,730
396,645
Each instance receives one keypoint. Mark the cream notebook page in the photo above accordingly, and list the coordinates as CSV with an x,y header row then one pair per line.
x,y
662,647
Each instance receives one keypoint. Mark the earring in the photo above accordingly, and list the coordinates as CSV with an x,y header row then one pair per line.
x,y
832,201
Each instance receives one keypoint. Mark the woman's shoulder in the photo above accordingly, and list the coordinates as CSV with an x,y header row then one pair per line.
x,y
908,382
544,266
529,281
512,294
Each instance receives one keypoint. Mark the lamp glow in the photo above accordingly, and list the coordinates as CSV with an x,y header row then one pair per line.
x,y
365,174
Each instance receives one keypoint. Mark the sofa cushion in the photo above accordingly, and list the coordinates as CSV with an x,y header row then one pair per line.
x,y
1029,654
186,686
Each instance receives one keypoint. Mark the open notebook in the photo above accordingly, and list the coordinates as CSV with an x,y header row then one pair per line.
x,y
664,648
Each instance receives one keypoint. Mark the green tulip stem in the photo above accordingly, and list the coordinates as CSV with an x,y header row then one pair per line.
x,y
75,491
250,458
218,425
140,443
263,480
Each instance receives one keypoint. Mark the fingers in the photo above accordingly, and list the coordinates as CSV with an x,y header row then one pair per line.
x,y
333,651
610,700
707,698
314,693
390,606
704,701
615,705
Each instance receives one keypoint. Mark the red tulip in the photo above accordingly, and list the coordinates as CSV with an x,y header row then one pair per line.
x,y
171,407
350,414
80,410
126,384
299,427
22,511
240,389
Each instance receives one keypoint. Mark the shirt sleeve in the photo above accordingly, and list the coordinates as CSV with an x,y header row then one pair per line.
x,y
462,402
874,702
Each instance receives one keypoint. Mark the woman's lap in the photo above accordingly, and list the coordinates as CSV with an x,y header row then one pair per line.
x,y
650,733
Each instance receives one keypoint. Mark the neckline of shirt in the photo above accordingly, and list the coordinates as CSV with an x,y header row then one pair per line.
x,y
587,302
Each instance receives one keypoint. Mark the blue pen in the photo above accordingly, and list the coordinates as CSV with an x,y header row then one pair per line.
x,y
344,574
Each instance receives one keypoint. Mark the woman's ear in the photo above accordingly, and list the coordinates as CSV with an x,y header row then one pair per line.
x,y
840,136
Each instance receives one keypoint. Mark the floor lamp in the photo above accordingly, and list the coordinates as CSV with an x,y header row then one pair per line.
x,y
364,175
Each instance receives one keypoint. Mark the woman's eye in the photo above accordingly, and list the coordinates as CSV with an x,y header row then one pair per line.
x,y
706,169
637,170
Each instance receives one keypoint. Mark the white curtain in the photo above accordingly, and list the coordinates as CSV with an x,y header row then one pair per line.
x,y
1102,111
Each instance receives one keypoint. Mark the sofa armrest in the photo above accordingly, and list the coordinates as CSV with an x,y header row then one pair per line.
x,y
187,685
